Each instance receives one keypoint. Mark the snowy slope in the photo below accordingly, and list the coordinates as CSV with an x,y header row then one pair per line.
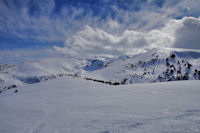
x,y
67,105
41,70
45,69
156,65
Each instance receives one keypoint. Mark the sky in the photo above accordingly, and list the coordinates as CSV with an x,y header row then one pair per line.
x,y
96,27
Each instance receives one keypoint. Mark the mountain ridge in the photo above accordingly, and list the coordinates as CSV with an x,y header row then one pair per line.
x,y
156,65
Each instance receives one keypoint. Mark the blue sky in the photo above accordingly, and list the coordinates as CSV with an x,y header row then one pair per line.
x,y
97,27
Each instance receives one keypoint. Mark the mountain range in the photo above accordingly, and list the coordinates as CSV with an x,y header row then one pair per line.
x,y
156,65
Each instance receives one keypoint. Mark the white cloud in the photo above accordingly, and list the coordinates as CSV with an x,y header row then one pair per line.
x,y
188,34
52,28
96,41
19,55
127,33
91,41
183,33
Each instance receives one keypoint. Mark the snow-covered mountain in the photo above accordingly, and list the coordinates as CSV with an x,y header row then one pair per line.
x,y
156,65
68,105
41,70
72,104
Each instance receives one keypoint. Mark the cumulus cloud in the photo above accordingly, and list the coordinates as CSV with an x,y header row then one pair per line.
x,y
183,33
187,34
96,41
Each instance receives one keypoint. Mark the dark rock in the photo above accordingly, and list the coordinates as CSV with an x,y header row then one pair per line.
x,y
116,83
172,56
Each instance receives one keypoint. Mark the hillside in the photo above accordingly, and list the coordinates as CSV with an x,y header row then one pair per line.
x,y
156,65
76,105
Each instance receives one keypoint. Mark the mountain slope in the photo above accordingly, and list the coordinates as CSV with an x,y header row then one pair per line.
x,y
76,105
156,65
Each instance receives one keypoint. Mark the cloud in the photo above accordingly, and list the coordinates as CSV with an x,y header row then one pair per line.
x,y
90,41
96,41
187,34
52,21
20,55
183,33
106,27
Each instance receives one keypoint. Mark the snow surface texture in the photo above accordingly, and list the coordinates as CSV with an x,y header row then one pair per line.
x,y
156,65
71,105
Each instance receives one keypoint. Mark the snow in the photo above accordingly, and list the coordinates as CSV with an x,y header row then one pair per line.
x,y
74,105
142,68
95,65
147,67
